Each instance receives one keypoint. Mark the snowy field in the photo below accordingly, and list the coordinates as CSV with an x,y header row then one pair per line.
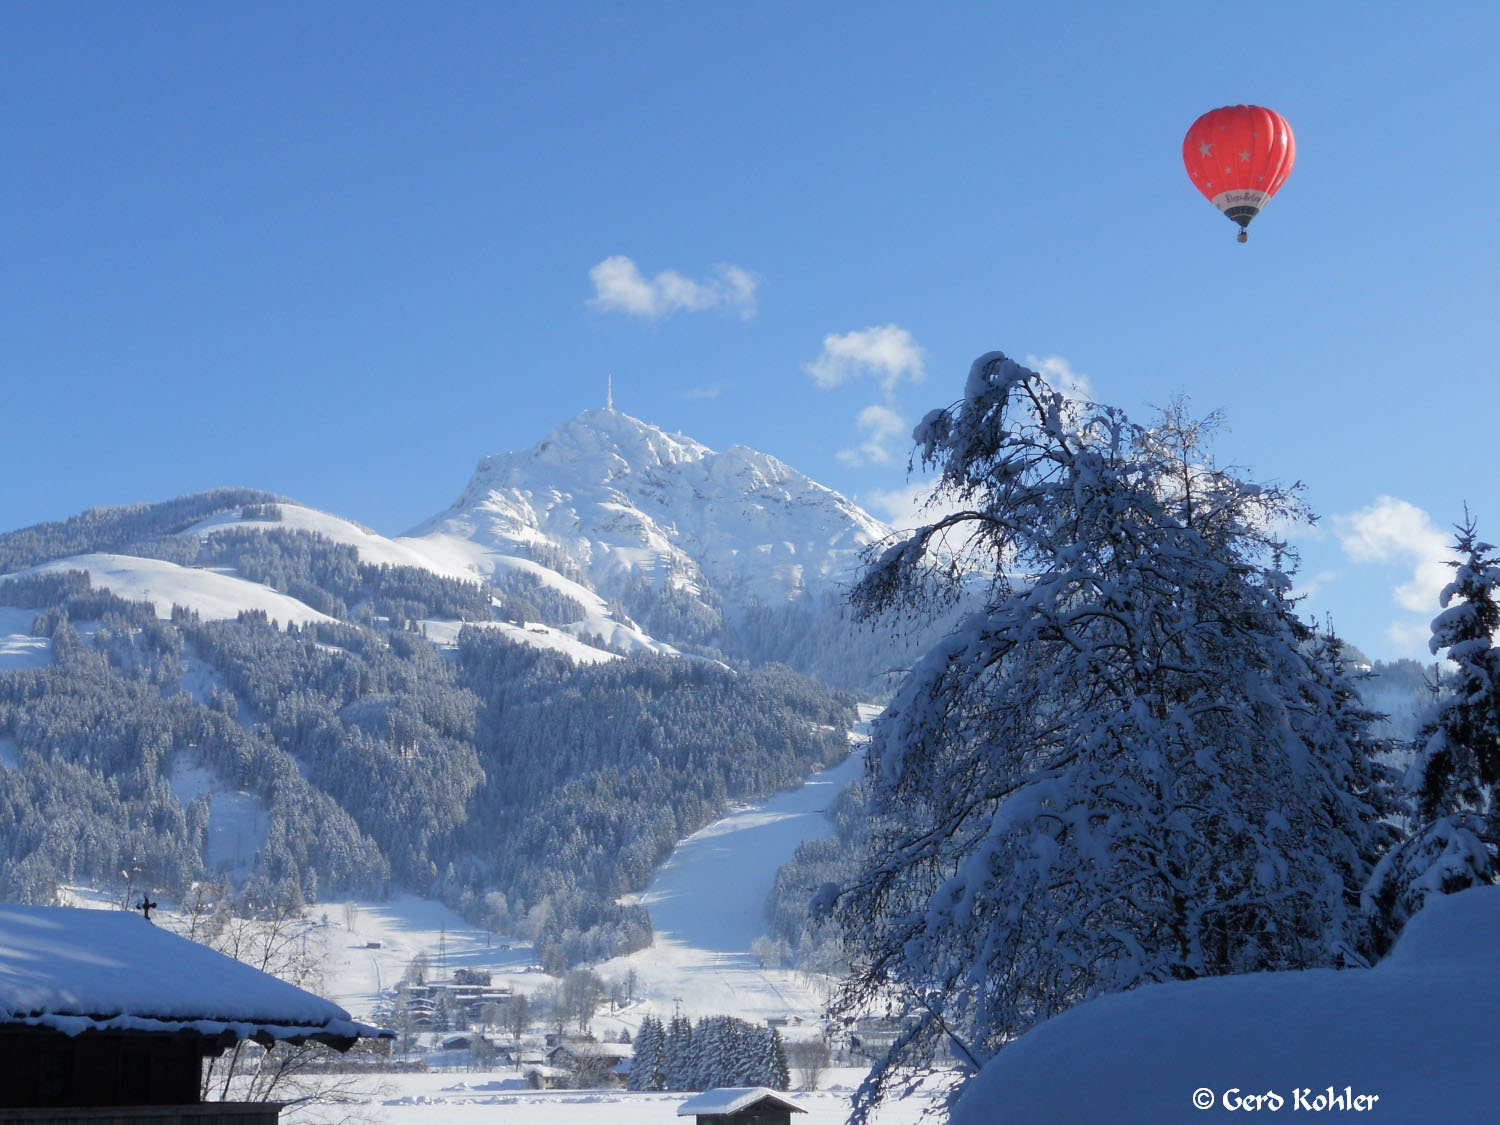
x,y
18,648
499,1099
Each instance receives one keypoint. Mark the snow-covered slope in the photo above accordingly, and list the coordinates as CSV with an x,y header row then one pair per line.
x,y
374,549
707,906
217,595
1419,1032
18,648
626,502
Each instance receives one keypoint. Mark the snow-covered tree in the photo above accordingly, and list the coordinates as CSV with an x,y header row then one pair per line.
x,y
778,1071
677,1054
648,1067
1128,766
1452,784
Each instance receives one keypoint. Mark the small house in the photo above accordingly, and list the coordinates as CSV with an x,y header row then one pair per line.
x,y
740,1105
540,1076
593,1063
100,1009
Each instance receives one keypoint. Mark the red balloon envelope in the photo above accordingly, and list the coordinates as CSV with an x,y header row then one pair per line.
x,y
1238,157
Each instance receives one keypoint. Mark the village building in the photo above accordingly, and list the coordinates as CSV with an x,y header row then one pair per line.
x,y
466,998
540,1076
101,1010
592,1062
779,1022
740,1105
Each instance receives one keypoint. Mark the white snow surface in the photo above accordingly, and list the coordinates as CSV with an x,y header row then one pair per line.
x,y
1420,1032
238,820
481,564
18,648
74,970
374,549
706,905
445,635
624,498
490,1097
217,595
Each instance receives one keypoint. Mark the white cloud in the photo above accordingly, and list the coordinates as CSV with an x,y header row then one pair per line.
x,y
1062,377
1394,531
713,390
879,424
885,353
904,508
620,287
1410,638
1312,587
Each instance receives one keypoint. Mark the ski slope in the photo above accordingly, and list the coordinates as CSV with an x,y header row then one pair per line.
x,y
705,904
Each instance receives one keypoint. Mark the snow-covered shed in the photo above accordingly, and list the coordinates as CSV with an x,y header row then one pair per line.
x,y
102,1008
740,1105
540,1076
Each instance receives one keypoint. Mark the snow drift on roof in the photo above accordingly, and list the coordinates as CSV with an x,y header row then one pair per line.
x,y
77,970
732,1099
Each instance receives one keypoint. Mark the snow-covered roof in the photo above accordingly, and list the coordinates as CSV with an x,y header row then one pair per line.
x,y
596,1050
732,1099
77,970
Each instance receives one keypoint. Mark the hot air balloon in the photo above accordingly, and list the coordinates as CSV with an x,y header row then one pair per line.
x,y
1238,157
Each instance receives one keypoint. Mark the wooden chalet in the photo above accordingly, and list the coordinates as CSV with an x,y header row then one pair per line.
x,y
740,1105
105,1017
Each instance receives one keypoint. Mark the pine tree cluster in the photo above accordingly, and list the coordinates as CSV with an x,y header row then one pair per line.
x,y
719,1051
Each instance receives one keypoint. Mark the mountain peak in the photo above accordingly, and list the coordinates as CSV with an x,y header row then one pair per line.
x,y
600,434
634,506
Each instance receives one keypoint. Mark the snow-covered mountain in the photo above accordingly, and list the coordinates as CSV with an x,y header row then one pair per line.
x,y
609,535
731,550
631,505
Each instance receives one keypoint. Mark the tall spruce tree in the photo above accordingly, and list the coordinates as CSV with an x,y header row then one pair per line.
x,y
1127,766
778,1070
1452,783
648,1066
680,1063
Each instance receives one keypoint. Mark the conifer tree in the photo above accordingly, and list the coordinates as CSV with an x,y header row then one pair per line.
x,y
1452,783
779,1071
647,1071
678,1061
1126,766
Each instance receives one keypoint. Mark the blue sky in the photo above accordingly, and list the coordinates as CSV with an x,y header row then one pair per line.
x,y
341,251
